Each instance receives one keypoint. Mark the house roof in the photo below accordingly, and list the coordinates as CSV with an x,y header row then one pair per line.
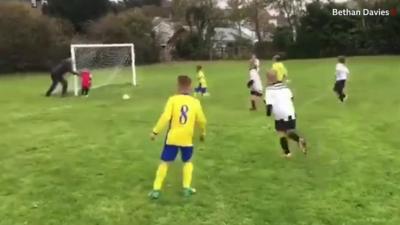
x,y
229,34
163,29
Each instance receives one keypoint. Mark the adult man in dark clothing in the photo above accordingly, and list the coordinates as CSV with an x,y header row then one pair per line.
x,y
57,76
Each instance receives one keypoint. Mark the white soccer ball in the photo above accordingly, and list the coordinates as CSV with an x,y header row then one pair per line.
x,y
125,97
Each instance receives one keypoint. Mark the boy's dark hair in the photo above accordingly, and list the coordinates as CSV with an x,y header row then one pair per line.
x,y
277,58
184,81
342,59
199,67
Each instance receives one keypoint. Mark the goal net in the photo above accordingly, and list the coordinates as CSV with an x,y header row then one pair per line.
x,y
110,64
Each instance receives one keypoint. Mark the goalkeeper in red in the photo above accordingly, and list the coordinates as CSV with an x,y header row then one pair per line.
x,y
182,112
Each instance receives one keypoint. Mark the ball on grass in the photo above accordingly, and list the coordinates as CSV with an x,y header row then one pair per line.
x,y
125,97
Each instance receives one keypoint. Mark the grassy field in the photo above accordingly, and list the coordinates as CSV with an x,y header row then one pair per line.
x,y
81,161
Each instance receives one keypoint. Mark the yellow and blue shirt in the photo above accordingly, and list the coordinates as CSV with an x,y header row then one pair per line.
x,y
182,113
202,79
281,71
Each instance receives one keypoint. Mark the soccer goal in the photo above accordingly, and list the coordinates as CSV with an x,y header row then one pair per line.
x,y
110,64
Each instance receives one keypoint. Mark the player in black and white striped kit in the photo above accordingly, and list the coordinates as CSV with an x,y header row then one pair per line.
x,y
255,86
279,101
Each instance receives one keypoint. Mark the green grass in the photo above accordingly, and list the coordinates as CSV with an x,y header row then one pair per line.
x,y
89,161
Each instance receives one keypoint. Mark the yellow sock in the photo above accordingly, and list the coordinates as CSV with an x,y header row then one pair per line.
x,y
187,174
160,176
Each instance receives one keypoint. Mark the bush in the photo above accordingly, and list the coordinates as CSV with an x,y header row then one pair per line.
x,y
265,50
78,12
320,34
29,40
130,26
240,49
307,46
282,38
191,47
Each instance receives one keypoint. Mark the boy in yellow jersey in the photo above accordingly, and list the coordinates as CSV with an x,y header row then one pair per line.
x,y
202,88
182,112
280,69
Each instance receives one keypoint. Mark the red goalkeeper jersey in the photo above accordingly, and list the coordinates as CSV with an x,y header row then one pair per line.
x,y
86,78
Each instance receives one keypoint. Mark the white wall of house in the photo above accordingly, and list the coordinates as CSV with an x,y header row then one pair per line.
x,y
163,30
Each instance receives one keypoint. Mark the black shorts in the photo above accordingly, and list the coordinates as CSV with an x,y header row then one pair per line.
x,y
256,93
282,125
339,85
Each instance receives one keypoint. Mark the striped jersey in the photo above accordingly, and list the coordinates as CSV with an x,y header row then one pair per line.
x,y
255,77
279,96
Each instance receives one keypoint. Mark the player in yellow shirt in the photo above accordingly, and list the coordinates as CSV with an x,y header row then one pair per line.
x,y
280,69
202,88
182,112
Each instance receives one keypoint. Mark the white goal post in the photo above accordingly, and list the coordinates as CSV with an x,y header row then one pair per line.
x,y
118,54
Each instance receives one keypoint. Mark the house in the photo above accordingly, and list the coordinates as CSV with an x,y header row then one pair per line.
x,y
226,41
39,3
42,5
163,31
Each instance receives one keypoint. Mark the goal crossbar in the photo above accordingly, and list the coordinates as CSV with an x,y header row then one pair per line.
x,y
100,45
73,58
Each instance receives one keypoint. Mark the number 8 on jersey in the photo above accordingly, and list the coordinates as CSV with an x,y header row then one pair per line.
x,y
183,118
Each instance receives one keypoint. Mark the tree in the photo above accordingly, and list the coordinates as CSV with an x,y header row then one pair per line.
x,y
78,12
133,3
292,10
237,13
179,8
30,40
140,3
201,17
196,16
322,34
130,26
382,32
153,2
282,38
253,9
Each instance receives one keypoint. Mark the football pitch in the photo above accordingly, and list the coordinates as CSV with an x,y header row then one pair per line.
x,y
89,161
